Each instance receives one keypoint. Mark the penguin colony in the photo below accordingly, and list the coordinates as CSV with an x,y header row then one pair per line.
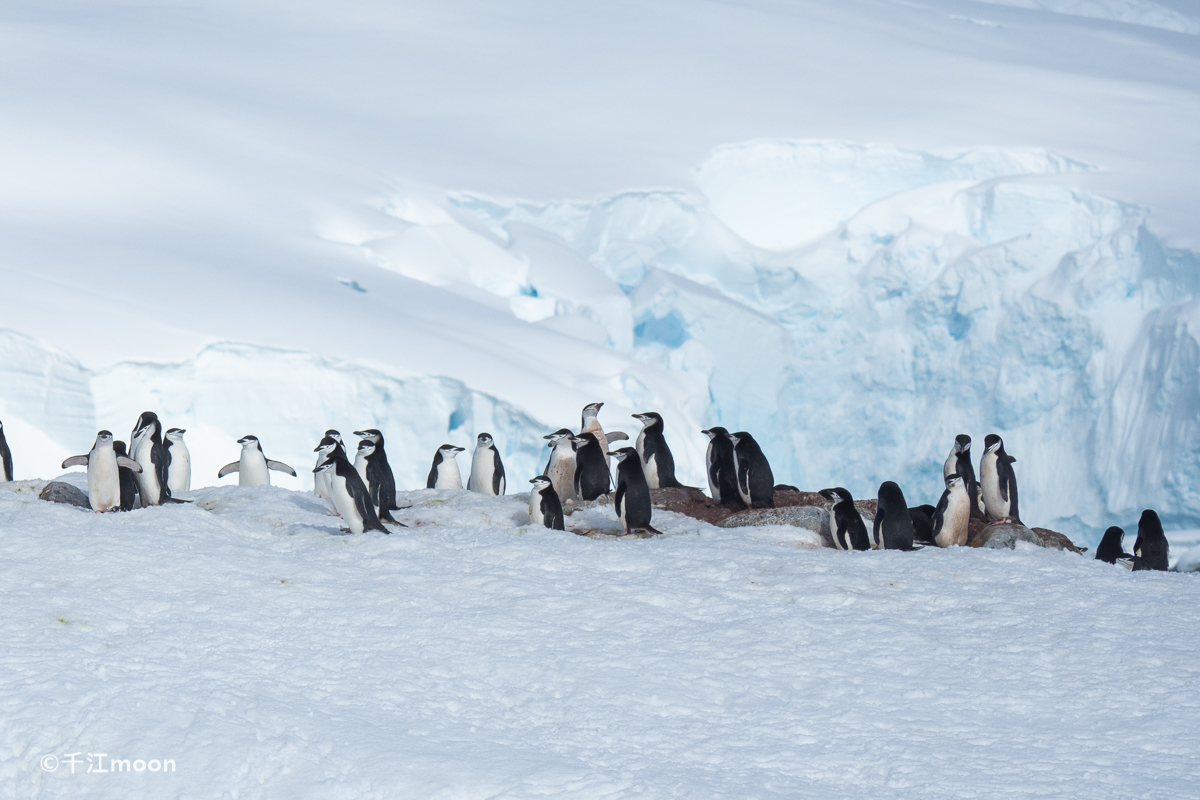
x,y
157,465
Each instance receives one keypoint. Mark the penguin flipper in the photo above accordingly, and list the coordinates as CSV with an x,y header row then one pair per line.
x,y
616,436
81,461
229,469
128,463
279,466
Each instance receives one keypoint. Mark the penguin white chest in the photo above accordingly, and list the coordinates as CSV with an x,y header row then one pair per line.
x,y
650,468
955,520
483,465
989,485
344,503
179,475
535,508
104,480
252,468
360,466
562,472
448,476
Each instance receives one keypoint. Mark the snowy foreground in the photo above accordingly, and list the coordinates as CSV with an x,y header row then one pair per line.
x,y
473,656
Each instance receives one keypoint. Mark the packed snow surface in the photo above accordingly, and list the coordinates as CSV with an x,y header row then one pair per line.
x,y
472,655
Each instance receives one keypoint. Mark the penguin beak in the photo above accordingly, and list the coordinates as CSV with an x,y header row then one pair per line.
x,y
360,433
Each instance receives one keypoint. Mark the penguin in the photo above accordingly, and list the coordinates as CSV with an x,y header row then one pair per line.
x,y
952,515
893,529
487,470
656,459
560,468
845,523
381,482
444,472
252,466
1112,546
129,485
592,477
365,448
103,477
6,467
349,494
756,484
959,463
590,423
720,466
146,448
1150,549
544,508
332,441
179,461
632,500
922,520
997,481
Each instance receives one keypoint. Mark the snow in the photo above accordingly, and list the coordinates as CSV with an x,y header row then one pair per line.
x,y
472,655
1134,12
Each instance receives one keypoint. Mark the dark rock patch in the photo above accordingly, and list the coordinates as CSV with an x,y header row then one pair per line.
x,y
60,492
1057,540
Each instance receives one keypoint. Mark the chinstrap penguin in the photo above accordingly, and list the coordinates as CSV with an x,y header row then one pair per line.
x,y
590,423
350,495
845,523
755,483
952,516
253,466
1151,550
129,484
380,481
6,467
959,463
103,477
332,441
1112,546
654,453
444,473
179,461
632,498
893,527
560,468
146,448
544,507
922,520
487,470
997,481
592,477
721,467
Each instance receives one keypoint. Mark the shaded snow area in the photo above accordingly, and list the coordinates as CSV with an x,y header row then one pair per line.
x,y
1133,12
471,655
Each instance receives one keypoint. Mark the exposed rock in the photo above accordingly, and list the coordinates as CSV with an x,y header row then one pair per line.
x,y
1057,540
808,517
787,498
60,492
693,503
1004,534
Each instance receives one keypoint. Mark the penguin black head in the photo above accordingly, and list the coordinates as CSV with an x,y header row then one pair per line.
x,y
540,482
593,408
175,434
147,420
992,443
104,436
954,482
366,447
484,440
328,442
334,434
561,433
1150,525
370,434
249,441
649,419
324,465
713,433
450,450
739,436
623,453
836,495
585,438
119,447
962,443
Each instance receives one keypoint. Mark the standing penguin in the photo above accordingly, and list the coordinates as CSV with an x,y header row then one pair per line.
x,y
1112,546
146,448
487,470
544,507
893,529
6,467
997,481
1150,549
845,523
350,495
959,463
590,423
720,466
128,478
656,459
179,461
332,441
252,465
103,477
952,515
381,482
632,500
756,484
592,477
444,472
365,448
560,469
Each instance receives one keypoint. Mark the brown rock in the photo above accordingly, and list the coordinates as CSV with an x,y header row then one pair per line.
x,y
692,503
1057,540
1003,534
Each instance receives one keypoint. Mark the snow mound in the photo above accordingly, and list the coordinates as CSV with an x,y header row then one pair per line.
x,y
1134,12
265,653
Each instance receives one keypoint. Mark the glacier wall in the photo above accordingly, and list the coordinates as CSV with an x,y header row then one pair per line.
x,y
857,306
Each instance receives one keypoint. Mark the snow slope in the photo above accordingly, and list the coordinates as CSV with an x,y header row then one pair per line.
x,y
473,656
855,229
